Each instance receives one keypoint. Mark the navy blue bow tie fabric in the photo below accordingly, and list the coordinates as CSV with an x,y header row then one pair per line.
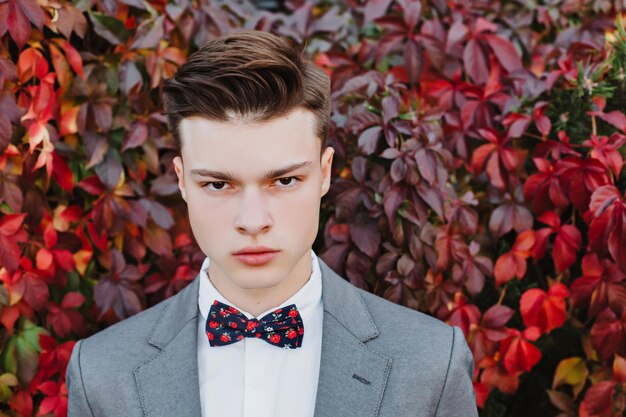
x,y
282,327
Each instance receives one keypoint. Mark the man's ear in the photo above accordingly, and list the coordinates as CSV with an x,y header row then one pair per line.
x,y
178,167
327,163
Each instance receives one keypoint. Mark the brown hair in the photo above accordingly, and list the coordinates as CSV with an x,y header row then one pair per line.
x,y
251,76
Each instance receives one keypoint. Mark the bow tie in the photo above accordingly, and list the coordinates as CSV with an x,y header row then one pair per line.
x,y
282,327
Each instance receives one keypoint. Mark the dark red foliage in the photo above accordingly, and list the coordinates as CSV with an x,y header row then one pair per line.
x,y
478,178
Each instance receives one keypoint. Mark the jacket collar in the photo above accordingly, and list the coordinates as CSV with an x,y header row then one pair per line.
x,y
168,382
340,300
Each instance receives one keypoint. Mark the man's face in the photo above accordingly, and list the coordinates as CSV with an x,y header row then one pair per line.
x,y
251,185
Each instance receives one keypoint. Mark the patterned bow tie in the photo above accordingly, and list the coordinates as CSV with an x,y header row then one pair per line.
x,y
282,327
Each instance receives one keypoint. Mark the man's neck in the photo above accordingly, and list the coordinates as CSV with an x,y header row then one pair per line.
x,y
258,300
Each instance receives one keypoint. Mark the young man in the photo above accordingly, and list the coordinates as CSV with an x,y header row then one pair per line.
x,y
266,329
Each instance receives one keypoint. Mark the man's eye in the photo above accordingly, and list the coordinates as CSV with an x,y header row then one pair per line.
x,y
288,181
214,186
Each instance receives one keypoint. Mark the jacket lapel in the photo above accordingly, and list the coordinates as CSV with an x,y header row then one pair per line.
x,y
352,376
168,382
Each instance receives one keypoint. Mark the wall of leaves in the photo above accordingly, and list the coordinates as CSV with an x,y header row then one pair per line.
x,y
479,155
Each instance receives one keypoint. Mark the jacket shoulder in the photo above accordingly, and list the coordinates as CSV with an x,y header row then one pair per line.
x,y
407,333
399,317
126,338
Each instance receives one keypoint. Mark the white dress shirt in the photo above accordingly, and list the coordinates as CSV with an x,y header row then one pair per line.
x,y
252,378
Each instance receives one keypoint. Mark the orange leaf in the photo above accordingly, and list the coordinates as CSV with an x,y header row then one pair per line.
x,y
61,67
44,259
8,316
69,117
524,242
619,369
509,265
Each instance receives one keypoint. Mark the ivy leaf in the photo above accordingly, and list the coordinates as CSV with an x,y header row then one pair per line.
x,y
608,334
11,233
148,34
546,311
19,14
609,224
366,237
598,399
475,61
109,28
119,289
21,353
571,371
521,355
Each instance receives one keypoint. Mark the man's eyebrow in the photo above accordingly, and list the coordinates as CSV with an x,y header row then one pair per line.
x,y
230,177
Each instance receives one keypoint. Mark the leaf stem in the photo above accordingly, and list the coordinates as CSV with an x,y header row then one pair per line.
x,y
502,294
593,126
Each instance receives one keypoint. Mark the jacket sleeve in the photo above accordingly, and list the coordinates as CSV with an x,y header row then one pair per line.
x,y
77,404
458,398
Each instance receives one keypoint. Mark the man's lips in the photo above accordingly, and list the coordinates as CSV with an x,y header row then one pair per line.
x,y
254,250
256,256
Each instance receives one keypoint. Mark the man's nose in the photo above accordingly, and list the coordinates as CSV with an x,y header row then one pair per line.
x,y
253,216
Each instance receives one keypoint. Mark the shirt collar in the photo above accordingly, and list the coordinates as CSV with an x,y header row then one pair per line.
x,y
306,298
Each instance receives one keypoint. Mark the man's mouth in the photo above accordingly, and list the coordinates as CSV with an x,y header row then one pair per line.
x,y
256,256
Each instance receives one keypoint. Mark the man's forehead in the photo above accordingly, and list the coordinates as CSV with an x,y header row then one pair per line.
x,y
300,119
271,145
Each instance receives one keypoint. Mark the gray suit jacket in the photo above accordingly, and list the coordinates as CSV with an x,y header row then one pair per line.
x,y
377,359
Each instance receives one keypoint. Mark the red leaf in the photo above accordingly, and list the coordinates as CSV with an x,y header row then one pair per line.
x,y
551,219
609,224
22,402
36,292
608,334
580,178
135,136
366,237
149,33
8,316
521,355
61,67
44,259
99,239
566,246
92,185
524,242
158,240
497,316
73,57
475,62
10,235
508,217
504,50
61,173
72,300
19,14
508,266
32,11
598,400
119,290
413,60
545,311
600,286
465,317
615,117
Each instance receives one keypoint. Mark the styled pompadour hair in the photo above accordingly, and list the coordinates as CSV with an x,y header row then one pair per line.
x,y
249,76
